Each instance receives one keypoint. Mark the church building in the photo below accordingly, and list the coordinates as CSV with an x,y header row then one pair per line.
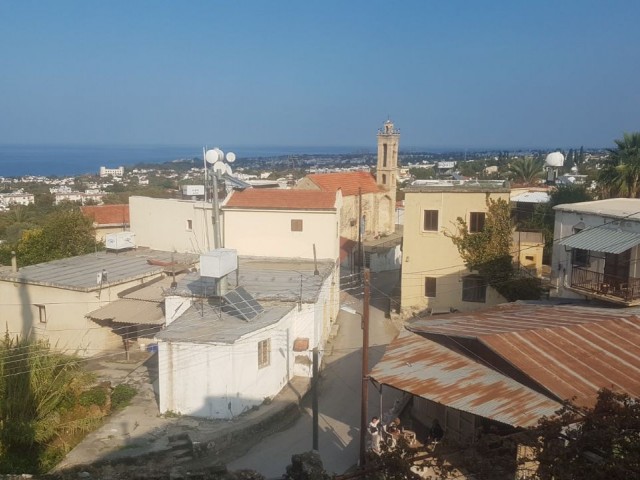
x,y
368,209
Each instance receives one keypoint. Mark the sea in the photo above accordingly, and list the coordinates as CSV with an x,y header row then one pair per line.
x,y
73,160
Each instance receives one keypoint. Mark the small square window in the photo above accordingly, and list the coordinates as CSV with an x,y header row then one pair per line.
x,y
474,289
430,223
189,225
429,287
296,225
529,258
264,353
476,222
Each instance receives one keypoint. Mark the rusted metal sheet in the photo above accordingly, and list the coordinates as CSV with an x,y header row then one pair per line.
x,y
569,350
427,369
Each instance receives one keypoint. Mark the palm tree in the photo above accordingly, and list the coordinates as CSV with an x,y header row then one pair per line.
x,y
526,170
621,174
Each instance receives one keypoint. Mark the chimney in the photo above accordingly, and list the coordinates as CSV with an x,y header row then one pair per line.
x,y
14,262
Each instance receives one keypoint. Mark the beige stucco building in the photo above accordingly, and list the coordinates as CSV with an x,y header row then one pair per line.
x,y
51,300
283,223
433,273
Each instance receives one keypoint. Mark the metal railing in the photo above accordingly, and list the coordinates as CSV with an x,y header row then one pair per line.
x,y
624,288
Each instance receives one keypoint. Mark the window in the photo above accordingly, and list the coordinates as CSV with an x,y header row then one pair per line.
x,y
474,289
529,258
264,353
384,154
429,287
296,225
42,312
430,221
384,179
189,225
580,257
476,222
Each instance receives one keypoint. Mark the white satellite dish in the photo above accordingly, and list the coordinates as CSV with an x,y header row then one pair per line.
x,y
220,167
231,157
229,171
211,156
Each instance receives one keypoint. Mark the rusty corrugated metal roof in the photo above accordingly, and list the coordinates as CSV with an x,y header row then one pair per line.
x,y
570,350
425,368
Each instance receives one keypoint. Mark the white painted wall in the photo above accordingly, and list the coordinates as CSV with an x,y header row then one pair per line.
x,y
222,381
172,225
389,259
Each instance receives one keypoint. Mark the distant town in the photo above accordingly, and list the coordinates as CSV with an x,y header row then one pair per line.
x,y
166,179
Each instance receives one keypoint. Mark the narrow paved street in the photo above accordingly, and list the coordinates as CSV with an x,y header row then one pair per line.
x,y
339,398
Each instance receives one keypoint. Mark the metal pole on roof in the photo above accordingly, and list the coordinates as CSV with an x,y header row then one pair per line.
x,y
217,242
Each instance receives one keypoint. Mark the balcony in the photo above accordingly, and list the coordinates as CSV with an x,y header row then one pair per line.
x,y
610,288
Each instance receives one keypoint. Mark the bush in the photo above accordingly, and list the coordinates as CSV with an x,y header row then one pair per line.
x,y
122,395
521,289
95,396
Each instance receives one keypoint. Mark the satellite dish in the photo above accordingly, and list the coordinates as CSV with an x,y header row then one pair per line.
x,y
229,171
211,156
231,157
220,167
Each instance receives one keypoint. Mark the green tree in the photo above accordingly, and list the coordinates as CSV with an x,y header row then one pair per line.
x,y
66,233
421,173
620,176
544,216
38,389
526,170
489,252
599,443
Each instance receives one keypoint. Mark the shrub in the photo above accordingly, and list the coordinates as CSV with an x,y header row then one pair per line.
x,y
95,396
122,395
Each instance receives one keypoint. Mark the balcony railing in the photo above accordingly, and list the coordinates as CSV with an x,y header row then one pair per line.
x,y
613,287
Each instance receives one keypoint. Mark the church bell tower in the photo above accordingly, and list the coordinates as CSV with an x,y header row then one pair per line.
x,y
387,170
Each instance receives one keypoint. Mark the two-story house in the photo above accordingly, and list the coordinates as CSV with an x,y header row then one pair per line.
x,y
434,275
595,252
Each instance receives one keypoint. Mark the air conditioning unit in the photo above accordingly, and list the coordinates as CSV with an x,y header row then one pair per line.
x,y
120,240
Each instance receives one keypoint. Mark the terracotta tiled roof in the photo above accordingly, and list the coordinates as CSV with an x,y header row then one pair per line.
x,y
107,214
282,199
349,182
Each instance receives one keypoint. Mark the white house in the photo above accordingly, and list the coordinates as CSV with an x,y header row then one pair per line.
x,y
595,252
114,172
226,354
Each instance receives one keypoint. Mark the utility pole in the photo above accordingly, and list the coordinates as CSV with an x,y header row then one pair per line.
x,y
360,230
365,368
314,399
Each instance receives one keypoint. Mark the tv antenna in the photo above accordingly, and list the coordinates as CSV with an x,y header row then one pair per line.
x,y
214,159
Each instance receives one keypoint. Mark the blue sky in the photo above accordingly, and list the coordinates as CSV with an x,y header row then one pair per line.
x,y
323,73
